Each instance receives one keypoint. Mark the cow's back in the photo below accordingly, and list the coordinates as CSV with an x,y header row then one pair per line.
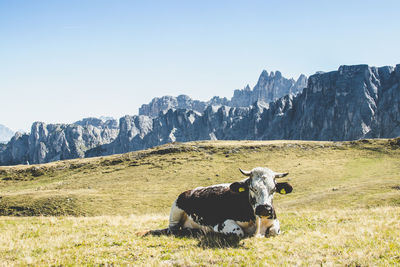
x,y
213,205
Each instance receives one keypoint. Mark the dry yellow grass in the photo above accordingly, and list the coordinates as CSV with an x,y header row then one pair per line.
x,y
344,209
328,237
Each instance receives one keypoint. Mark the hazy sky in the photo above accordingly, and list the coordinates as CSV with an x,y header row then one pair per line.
x,y
61,61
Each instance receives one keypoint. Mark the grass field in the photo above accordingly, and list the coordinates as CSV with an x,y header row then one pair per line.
x,y
344,210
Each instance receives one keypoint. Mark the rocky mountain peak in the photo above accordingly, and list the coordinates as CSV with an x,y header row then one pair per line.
x,y
5,134
98,122
269,87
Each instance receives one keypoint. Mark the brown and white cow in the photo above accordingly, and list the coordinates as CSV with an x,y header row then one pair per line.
x,y
242,208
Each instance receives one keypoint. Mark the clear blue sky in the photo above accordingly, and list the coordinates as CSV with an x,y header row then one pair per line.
x,y
61,61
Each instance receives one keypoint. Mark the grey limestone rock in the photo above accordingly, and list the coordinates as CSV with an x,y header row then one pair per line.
x,y
388,113
102,122
351,103
270,86
165,103
50,142
16,150
65,141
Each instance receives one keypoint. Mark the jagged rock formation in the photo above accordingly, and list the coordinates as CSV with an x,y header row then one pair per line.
x,y
270,87
50,142
15,151
5,134
351,103
165,103
99,123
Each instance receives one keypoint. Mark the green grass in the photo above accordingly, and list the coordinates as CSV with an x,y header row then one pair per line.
x,y
344,209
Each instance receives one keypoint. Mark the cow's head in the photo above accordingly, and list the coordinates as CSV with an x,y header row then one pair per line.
x,y
261,186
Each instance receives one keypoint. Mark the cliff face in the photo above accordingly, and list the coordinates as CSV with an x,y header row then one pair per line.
x,y
388,117
140,132
339,105
15,152
351,103
50,142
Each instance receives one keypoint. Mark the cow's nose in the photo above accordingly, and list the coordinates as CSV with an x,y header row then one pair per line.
x,y
263,210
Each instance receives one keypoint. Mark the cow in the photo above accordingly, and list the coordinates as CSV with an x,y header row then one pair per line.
x,y
241,209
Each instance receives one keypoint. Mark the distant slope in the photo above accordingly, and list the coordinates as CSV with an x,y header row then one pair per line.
x,y
324,174
5,134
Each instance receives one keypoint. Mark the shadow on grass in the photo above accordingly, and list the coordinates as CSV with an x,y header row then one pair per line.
x,y
210,239
206,240
215,240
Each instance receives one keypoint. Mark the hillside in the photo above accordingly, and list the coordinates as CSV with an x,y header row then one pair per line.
x,y
344,209
149,180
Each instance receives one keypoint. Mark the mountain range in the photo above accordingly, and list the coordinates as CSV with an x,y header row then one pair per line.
x,y
350,103
5,134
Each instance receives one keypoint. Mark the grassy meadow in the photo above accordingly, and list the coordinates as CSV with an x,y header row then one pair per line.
x,y
344,210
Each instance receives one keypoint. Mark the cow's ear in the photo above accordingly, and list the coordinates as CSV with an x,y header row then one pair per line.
x,y
284,188
239,187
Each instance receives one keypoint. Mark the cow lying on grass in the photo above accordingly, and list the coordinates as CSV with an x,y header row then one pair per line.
x,y
241,209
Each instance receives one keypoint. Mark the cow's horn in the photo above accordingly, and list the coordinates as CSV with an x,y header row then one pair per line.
x,y
280,175
247,173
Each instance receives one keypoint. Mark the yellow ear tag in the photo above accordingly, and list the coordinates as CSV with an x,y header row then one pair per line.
x,y
283,191
241,189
